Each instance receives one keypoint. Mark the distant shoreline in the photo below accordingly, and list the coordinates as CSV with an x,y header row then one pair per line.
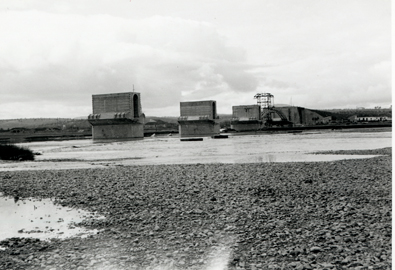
x,y
7,137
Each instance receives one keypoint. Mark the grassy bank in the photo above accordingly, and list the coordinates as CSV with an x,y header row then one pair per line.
x,y
321,215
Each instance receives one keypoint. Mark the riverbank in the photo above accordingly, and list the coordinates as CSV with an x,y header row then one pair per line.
x,y
310,215
55,135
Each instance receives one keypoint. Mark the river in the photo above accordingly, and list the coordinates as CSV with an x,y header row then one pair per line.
x,y
252,148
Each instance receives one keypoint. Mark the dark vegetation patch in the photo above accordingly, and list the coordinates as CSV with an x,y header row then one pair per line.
x,y
14,152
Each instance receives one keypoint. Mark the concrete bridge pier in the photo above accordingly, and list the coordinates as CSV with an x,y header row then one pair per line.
x,y
117,116
246,118
198,118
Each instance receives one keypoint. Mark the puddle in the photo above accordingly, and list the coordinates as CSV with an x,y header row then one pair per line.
x,y
32,218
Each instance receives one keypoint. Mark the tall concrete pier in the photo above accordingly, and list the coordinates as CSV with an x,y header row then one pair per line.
x,y
117,116
198,118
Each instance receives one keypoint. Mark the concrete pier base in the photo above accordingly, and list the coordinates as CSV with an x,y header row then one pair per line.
x,y
246,126
198,118
198,128
118,131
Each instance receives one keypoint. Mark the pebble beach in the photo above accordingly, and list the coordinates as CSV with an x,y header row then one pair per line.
x,y
299,215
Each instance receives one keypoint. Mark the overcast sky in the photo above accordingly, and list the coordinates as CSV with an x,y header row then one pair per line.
x,y
320,54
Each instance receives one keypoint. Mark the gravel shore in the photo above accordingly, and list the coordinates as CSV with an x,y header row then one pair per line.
x,y
315,215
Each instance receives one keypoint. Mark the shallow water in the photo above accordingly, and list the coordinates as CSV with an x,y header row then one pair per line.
x,y
40,219
254,148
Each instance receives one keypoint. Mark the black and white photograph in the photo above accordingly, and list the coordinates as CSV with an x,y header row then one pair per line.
x,y
195,135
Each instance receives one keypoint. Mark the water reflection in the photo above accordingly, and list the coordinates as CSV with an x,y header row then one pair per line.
x,y
40,219
268,158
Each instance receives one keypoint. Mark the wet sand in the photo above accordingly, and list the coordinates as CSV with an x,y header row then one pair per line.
x,y
310,215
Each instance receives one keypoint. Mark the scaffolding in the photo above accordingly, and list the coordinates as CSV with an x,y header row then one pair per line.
x,y
265,100
266,103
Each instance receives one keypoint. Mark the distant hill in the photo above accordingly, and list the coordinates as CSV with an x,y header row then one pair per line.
x,y
338,114
168,119
82,123
282,105
32,123
65,123
225,116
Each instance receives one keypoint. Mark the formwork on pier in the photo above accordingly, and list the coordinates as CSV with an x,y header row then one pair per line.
x,y
117,116
198,118
246,117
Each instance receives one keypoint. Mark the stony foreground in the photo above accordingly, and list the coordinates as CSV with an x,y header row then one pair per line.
x,y
324,215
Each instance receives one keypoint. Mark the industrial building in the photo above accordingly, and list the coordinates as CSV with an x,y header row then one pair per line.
x,y
198,118
265,114
117,116
356,118
300,116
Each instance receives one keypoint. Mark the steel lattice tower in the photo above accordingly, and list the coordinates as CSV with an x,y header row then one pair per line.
x,y
265,100
266,103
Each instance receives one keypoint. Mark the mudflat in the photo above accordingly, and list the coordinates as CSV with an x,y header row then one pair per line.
x,y
307,215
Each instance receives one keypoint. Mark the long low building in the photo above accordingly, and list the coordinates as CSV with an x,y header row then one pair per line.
x,y
302,116
252,117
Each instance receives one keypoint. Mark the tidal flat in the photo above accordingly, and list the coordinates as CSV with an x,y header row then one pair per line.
x,y
299,215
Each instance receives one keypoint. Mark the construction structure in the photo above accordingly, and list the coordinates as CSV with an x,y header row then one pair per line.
x,y
198,118
268,111
117,116
265,114
246,117
255,117
300,116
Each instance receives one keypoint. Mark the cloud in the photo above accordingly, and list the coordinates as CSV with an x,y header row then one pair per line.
x,y
52,58
322,54
319,54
